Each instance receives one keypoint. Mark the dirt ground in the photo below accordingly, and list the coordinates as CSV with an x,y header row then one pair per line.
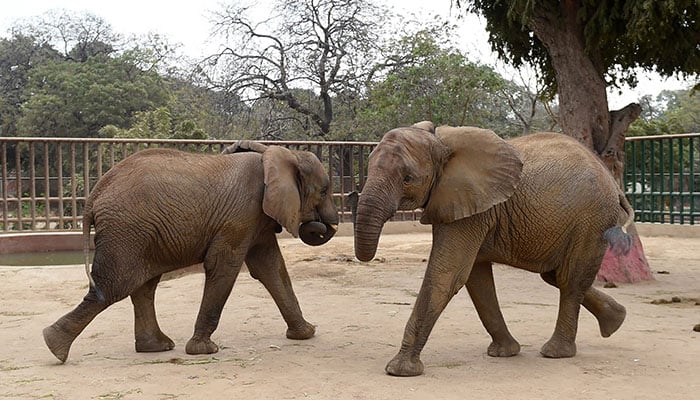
x,y
360,310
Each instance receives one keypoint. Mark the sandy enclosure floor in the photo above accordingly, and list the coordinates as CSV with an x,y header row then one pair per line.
x,y
360,310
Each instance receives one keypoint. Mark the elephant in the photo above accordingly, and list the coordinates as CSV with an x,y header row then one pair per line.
x,y
162,209
540,202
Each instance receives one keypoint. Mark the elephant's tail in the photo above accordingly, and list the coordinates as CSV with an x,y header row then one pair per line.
x,y
618,237
629,210
87,225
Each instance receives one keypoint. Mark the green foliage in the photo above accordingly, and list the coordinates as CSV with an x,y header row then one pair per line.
x,y
619,36
683,110
672,112
156,124
220,114
441,86
67,75
76,99
18,55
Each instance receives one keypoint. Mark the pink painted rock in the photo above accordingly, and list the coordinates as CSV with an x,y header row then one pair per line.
x,y
626,268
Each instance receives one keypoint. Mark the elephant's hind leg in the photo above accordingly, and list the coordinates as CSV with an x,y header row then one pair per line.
x,y
573,279
609,313
483,294
266,264
147,334
113,287
60,335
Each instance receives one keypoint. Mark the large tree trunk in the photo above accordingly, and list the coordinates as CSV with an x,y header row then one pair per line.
x,y
584,115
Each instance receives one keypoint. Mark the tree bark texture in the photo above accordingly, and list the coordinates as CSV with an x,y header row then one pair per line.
x,y
584,115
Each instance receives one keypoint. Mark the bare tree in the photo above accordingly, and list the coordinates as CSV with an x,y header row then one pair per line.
x,y
324,46
529,102
76,35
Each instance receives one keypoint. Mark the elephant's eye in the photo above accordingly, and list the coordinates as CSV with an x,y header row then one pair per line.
x,y
407,179
324,192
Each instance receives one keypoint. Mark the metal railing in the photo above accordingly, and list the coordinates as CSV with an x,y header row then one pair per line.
x,y
662,178
44,181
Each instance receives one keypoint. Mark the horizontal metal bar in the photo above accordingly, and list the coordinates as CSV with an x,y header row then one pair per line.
x,y
44,185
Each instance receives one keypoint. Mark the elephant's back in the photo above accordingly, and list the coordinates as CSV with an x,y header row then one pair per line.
x,y
168,171
562,167
550,148
176,201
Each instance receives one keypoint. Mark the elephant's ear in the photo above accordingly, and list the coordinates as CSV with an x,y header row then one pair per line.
x,y
425,125
481,171
242,146
281,200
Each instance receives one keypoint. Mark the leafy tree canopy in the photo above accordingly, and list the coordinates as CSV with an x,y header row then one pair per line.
x,y
618,35
18,56
156,124
443,86
76,99
672,111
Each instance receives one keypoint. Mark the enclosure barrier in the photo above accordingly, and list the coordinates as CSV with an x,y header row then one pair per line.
x,y
44,181
662,178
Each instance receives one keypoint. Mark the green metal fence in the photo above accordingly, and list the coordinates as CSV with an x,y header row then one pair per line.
x,y
662,178
44,181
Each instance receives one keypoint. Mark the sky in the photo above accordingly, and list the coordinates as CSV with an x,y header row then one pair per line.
x,y
188,23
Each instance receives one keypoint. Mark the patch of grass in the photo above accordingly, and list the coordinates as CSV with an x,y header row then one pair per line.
x,y
450,364
211,360
118,395
522,303
11,368
30,380
18,314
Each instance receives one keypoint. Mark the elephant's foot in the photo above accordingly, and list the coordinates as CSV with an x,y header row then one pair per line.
x,y
198,345
405,365
305,331
154,343
505,349
558,348
58,341
611,318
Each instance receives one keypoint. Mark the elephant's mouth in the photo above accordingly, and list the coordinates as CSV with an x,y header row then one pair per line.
x,y
316,233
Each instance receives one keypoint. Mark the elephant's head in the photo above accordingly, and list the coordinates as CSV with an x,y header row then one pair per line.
x,y
298,194
449,172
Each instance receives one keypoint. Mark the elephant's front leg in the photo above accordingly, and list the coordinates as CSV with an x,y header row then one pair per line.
x,y
266,264
147,333
451,258
221,268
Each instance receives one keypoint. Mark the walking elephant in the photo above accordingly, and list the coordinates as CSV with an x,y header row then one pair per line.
x,y
541,202
161,210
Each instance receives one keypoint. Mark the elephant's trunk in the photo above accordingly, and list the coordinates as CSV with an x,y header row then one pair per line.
x,y
372,212
316,233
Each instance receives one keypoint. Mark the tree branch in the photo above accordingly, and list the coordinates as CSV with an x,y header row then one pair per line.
x,y
613,155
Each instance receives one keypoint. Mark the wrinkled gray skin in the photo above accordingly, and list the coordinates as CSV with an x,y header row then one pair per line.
x,y
160,210
541,202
